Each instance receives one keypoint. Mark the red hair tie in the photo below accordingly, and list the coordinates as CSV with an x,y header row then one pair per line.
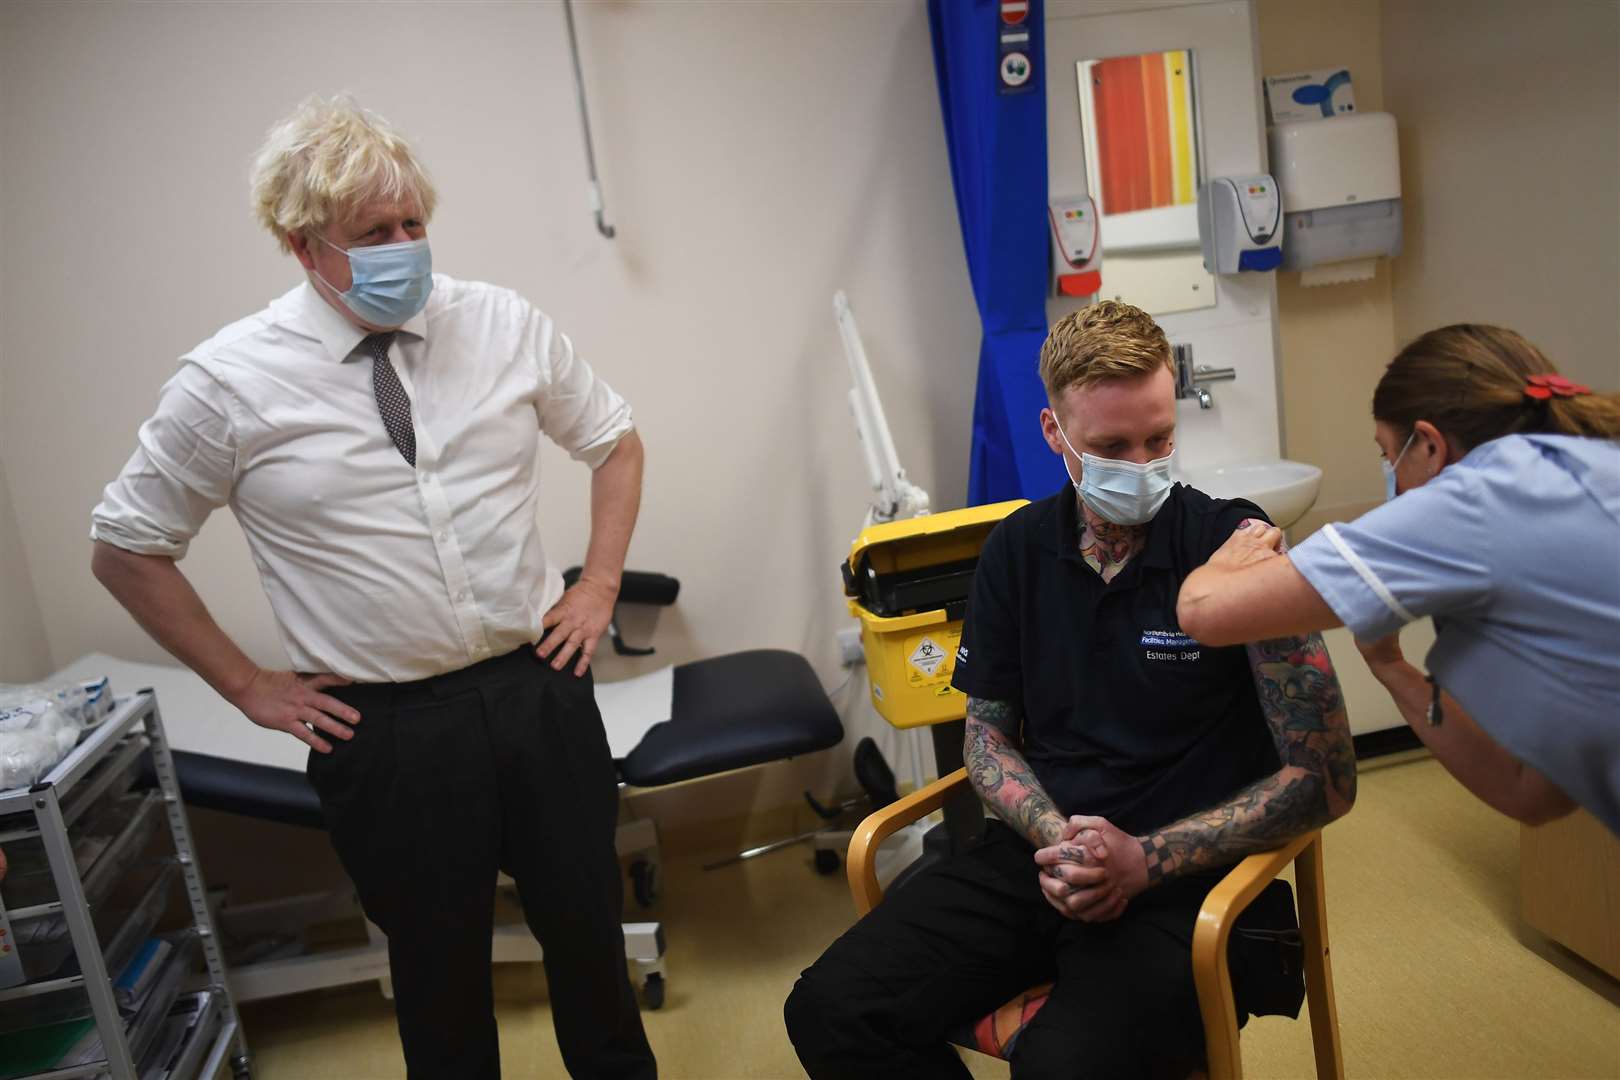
x,y
1543,387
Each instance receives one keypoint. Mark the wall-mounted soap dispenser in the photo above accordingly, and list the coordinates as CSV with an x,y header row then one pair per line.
x,y
1240,224
1076,246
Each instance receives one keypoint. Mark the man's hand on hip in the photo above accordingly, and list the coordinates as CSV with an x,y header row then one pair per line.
x,y
1094,871
290,702
576,623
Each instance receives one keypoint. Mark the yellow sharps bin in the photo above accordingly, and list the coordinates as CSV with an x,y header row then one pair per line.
x,y
908,583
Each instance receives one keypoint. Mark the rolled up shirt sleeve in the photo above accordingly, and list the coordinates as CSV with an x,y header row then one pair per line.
x,y
182,470
1428,552
578,410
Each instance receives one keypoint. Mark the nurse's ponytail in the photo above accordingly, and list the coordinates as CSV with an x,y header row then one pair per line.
x,y
1477,383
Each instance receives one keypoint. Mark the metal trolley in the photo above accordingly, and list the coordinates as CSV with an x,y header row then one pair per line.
x,y
77,912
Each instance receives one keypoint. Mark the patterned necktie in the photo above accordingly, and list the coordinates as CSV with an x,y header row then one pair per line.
x,y
391,400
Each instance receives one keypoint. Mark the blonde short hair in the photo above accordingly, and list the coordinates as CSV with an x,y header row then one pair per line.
x,y
328,159
1108,340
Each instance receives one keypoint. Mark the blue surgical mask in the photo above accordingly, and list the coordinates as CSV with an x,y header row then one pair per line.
x,y
1122,492
391,281
1389,467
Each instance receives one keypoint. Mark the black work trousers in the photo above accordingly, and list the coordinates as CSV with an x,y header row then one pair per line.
x,y
500,766
958,941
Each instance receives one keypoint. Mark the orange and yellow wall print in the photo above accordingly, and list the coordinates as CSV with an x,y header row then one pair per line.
x,y
1141,147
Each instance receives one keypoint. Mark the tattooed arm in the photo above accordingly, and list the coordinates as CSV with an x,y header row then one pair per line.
x,y
1001,777
1299,694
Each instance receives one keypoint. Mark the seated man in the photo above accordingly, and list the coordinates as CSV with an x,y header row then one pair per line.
x,y
1127,763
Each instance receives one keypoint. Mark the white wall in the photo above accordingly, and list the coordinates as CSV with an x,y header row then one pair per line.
x,y
1510,169
756,156
23,656
1237,331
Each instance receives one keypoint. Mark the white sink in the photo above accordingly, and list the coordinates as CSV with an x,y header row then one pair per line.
x,y
1284,489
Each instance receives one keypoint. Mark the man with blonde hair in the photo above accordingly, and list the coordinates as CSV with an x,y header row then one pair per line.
x,y
1125,765
375,430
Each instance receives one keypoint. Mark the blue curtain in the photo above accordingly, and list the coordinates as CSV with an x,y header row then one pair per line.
x,y
995,131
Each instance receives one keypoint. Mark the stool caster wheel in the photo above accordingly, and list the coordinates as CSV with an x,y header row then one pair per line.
x,y
826,861
652,991
644,882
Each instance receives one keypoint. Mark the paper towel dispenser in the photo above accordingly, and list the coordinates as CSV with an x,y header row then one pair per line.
x,y
1341,188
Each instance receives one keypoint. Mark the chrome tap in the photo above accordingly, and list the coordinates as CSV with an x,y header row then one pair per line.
x,y
1190,379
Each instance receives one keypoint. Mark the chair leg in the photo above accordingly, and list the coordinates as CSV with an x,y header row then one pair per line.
x,y
1308,881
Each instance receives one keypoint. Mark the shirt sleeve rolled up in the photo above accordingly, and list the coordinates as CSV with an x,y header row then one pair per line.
x,y
182,470
578,410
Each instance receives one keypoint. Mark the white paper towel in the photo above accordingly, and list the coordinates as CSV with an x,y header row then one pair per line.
x,y
1340,272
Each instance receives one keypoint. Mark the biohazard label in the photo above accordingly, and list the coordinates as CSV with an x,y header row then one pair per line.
x,y
927,656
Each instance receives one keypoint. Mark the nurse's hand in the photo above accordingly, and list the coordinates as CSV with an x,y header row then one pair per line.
x,y
1251,542
576,623
2,866
290,702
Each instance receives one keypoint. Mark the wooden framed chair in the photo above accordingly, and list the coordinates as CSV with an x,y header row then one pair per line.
x,y
1214,928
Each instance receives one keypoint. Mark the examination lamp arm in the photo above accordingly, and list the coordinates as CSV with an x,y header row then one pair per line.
x,y
896,496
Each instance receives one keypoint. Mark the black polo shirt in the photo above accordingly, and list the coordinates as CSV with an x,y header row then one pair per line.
x,y
1124,716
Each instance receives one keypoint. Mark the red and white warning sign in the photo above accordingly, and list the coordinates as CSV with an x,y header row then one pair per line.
x,y
1014,11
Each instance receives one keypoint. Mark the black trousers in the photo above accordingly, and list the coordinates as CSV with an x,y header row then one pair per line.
x,y
500,766
961,939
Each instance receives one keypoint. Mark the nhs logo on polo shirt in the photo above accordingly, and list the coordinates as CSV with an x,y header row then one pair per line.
x,y
1170,645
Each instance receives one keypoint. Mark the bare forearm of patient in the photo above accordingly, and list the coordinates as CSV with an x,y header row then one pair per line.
x,y
1300,697
1002,778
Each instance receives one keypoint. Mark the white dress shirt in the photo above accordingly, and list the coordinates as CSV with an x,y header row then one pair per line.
x,y
375,570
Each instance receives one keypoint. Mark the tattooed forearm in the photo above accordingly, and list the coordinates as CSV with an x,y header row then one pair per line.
x,y
1299,694
1000,775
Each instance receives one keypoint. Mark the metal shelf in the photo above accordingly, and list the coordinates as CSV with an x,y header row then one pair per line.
x,y
42,986
109,865
104,763
208,1038
65,777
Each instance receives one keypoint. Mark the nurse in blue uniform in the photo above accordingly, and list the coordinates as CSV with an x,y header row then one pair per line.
x,y
1507,531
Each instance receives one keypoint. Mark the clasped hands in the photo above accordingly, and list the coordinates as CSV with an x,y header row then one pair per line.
x,y
1093,871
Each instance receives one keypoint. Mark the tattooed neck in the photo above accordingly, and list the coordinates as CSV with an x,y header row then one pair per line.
x,y
1105,546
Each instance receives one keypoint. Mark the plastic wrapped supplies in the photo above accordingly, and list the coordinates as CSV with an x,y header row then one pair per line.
x,y
40,723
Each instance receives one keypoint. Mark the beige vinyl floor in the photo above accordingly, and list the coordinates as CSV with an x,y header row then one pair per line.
x,y
1436,976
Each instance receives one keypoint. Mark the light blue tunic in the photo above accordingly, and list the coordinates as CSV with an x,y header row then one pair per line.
x,y
1515,550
